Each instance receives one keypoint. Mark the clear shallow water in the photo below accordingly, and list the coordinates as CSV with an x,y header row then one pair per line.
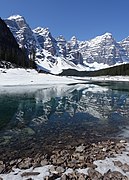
x,y
43,118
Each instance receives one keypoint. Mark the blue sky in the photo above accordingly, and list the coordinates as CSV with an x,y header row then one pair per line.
x,y
82,18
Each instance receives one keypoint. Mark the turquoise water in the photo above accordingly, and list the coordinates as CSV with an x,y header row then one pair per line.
x,y
41,118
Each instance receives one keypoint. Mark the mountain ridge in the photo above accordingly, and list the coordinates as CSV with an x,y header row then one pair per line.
x,y
55,54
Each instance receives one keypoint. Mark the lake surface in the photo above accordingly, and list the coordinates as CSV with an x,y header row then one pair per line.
x,y
39,119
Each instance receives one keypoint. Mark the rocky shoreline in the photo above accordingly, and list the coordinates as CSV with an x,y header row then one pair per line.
x,y
80,162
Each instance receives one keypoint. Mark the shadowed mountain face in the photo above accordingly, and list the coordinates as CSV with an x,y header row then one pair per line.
x,y
10,53
55,54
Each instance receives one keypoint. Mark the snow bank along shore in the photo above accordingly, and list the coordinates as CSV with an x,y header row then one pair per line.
x,y
15,77
105,78
19,77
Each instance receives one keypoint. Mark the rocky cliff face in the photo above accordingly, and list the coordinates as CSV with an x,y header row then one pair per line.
x,y
103,49
54,54
22,32
45,39
125,45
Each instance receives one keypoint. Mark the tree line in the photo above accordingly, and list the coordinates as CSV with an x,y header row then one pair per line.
x,y
112,71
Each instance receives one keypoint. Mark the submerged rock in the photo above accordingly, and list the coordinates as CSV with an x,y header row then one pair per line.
x,y
93,174
2,166
25,164
44,162
125,167
28,131
114,175
117,163
80,148
60,169
29,174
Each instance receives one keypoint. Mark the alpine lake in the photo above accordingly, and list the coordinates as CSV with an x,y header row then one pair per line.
x,y
42,118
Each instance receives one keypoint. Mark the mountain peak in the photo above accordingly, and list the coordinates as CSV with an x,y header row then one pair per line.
x,y
19,20
107,35
15,17
99,39
126,39
73,38
60,38
42,31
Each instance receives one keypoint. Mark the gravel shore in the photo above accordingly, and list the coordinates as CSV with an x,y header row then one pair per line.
x,y
103,160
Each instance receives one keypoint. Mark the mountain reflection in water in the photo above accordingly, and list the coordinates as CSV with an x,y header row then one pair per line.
x,y
62,114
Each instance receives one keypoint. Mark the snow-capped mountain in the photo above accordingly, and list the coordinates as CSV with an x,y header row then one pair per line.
x,y
103,50
21,31
125,44
10,53
54,54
